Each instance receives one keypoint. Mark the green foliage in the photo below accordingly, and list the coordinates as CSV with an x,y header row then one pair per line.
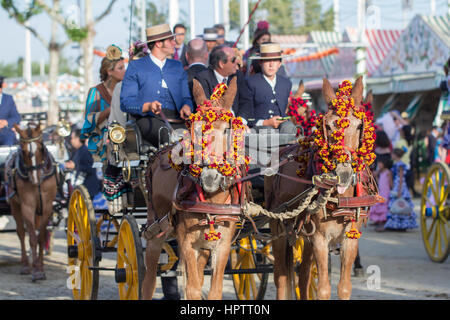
x,y
77,34
280,16
10,6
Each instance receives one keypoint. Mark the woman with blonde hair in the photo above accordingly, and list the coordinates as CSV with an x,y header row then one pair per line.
x,y
98,101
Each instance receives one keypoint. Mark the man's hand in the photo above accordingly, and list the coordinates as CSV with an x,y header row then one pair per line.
x,y
273,122
70,164
185,112
3,123
154,107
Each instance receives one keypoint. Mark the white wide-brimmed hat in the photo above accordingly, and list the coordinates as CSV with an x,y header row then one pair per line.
x,y
210,34
269,51
159,32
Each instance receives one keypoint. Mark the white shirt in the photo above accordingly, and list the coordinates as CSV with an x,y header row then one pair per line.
x,y
219,77
272,83
160,64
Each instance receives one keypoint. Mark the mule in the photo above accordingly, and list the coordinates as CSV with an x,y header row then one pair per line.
x,y
183,203
331,226
31,175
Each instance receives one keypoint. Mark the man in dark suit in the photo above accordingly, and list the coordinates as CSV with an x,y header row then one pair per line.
x,y
180,47
270,91
154,83
8,117
197,58
222,68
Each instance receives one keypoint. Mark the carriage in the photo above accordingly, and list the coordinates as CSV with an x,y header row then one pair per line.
x,y
435,210
250,261
54,140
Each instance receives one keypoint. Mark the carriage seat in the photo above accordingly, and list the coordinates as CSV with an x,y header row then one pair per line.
x,y
135,146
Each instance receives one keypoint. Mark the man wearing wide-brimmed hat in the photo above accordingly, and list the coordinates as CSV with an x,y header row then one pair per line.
x,y
156,84
210,36
270,91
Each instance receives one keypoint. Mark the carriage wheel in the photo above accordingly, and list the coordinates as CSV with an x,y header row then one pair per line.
x,y
435,212
313,284
248,255
130,268
82,244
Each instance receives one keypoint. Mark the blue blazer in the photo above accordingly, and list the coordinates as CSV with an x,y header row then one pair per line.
x,y
143,83
8,111
266,103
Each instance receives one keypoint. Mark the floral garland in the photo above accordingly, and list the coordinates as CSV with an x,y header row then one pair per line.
x,y
306,124
327,152
199,152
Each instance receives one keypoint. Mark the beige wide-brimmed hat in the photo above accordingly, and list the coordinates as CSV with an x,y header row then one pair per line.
x,y
159,32
269,51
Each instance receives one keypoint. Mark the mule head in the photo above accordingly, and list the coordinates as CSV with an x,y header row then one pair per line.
x,y
32,148
217,143
349,137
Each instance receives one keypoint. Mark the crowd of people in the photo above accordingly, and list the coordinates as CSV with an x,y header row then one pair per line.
x,y
400,157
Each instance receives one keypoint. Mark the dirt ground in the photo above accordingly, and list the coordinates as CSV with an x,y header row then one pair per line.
x,y
396,267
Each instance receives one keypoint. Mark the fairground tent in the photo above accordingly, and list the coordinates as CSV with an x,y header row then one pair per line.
x,y
409,77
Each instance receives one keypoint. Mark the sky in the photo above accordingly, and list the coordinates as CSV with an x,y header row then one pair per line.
x,y
114,28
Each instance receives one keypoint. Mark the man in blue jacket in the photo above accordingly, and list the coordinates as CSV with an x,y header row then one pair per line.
x,y
154,85
270,91
8,117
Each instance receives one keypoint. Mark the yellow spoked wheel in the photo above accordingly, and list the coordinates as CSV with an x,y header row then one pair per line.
x,y
130,268
81,246
435,212
248,253
298,250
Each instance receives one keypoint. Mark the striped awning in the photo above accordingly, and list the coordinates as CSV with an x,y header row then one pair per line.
x,y
440,25
326,40
379,42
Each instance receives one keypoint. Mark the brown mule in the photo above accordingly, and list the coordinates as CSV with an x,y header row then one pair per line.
x,y
330,230
173,199
32,204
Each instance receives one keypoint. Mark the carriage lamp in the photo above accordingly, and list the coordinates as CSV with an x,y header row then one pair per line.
x,y
63,128
117,134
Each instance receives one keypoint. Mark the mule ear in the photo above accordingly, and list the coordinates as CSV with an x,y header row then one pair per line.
x,y
300,90
228,97
369,97
198,92
328,91
357,91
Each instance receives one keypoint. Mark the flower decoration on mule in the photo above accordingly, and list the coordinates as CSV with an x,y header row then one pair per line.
x,y
354,233
197,142
329,152
306,121
212,235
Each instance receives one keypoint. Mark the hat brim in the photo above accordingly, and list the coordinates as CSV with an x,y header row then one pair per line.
x,y
164,37
257,57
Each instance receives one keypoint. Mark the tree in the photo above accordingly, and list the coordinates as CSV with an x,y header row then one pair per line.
x,y
280,16
82,34
22,16
153,17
